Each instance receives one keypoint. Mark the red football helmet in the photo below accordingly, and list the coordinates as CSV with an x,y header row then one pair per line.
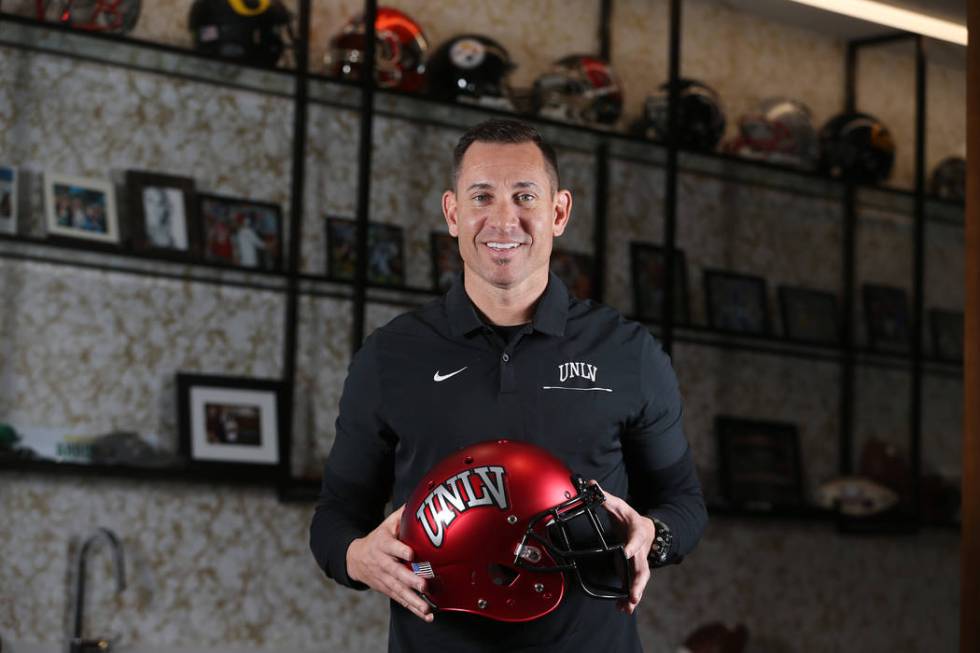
x,y
116,16
779,130
579,89
400,48
496,527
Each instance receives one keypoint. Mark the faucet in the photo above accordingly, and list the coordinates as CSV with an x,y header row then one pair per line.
x,y
76,643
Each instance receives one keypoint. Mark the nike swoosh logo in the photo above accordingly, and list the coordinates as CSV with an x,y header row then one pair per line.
x,y
442,377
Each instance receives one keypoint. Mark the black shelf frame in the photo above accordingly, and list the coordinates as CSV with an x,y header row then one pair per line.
x,y
605,144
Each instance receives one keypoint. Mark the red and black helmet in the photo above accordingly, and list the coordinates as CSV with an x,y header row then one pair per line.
x,y
399,53
700,116
780,130
499,529
579,89
114,16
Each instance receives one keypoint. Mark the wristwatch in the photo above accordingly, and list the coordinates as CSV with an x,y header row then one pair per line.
x,y
662,540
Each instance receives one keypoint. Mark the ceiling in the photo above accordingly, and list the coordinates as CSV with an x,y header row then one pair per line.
x,y
847,28
951,10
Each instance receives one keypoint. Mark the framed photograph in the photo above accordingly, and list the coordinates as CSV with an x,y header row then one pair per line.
x,y
759,463
810,315
947,335
736,302
386,253
241,232
162,212
232,423
8,199
81,208
575,270
886,313
446,262
648,272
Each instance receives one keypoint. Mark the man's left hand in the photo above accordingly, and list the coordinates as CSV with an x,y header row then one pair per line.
x,y
640,533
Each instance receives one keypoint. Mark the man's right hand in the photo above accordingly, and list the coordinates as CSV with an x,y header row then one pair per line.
x,y
378,560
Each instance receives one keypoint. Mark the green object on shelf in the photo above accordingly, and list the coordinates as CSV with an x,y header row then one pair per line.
x,y
8,436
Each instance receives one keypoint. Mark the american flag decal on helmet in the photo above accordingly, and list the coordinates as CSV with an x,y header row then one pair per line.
x,y
423,569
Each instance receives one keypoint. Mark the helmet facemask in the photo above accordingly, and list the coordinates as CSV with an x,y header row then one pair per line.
x,y
573,534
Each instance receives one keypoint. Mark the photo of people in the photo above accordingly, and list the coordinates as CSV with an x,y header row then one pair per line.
x,y
164,221
242,233
233,424
737,302
446,261
386,264
8,200
649,273
575,270
81,208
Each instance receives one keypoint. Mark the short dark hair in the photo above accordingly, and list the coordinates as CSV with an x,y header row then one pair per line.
x,y
512,132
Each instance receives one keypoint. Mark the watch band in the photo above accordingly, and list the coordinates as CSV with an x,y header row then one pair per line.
x,y
662,540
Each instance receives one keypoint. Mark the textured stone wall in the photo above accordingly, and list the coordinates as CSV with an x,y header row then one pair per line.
x,y
215,565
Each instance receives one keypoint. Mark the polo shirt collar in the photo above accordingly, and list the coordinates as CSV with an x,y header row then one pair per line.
x,y
550,314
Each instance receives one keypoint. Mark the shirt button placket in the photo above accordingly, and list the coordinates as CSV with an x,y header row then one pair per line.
x,y
507,381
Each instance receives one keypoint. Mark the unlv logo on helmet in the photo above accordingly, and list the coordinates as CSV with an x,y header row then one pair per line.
x,y
441,507
499,527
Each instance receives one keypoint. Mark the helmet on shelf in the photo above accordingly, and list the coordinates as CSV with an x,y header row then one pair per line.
x,y
114,16
500,527
471,67
253,31
700,117
780,130
399,53
856,147
579,89
948,179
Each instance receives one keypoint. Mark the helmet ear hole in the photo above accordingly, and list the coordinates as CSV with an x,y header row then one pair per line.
x,y
502,575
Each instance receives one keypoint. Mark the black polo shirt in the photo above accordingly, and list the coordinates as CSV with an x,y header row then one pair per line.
x,y
579,380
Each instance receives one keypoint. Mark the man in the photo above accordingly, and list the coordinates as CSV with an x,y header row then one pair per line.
x,y
507,353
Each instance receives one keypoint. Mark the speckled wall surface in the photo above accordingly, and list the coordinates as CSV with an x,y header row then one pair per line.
x,y
218,566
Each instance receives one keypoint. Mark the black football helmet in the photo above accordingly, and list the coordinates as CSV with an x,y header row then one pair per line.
x,y
700,117
579,89
399,51
113,16
470,66
857,147
948,180
253,31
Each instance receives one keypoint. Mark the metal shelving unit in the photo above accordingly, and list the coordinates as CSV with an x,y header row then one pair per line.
x,y
305,88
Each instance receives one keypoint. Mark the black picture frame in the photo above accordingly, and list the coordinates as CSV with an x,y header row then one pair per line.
x,y
647,272
576,270
887,318
446,261
736,303
223,241
947,335
809,315
759,463
233,426
386,251
170,203
9,182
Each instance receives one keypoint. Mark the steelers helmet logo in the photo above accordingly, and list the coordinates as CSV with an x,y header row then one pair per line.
x,y
249,7
467,53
